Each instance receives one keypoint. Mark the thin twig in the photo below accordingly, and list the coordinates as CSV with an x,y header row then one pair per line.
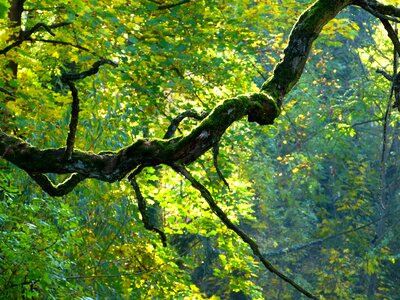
x,y
56,42
322,240
367,122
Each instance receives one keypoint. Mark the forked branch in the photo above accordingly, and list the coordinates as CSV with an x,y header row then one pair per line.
x,y
69,79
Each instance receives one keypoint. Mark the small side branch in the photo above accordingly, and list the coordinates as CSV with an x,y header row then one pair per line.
x,y
177,120
228,223
73,124
367,122
60,189
26,35
93,70
143,210
57,42
331,237
7,92
386,75
215,159
69,79
392,34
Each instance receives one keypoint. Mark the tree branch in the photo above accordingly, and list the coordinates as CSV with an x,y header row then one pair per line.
x,y
379,10
386,75
392,34
177,120
288,71
60,189
25,35
69,79
73,124
93,70
143,211
228,223
112,166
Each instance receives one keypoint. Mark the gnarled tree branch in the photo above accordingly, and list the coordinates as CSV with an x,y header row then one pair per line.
x,y
261,107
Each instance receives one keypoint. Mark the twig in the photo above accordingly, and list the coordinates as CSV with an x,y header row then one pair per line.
x,y
7,92
56,42
143,210
322,240
228,223
366,122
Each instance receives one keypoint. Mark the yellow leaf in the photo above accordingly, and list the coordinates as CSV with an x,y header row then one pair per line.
x,y
138,19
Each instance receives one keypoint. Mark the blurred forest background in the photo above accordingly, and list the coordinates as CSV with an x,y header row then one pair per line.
x,y
319,190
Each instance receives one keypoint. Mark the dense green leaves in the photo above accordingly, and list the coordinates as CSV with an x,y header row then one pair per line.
x,y
318,189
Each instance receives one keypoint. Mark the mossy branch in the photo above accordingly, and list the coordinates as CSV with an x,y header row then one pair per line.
x,y
262,107
112,166
60,189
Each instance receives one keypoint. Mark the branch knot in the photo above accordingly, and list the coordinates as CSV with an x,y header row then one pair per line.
x,y
263,109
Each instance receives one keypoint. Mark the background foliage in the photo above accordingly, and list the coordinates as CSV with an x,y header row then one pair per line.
x,y
318,189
